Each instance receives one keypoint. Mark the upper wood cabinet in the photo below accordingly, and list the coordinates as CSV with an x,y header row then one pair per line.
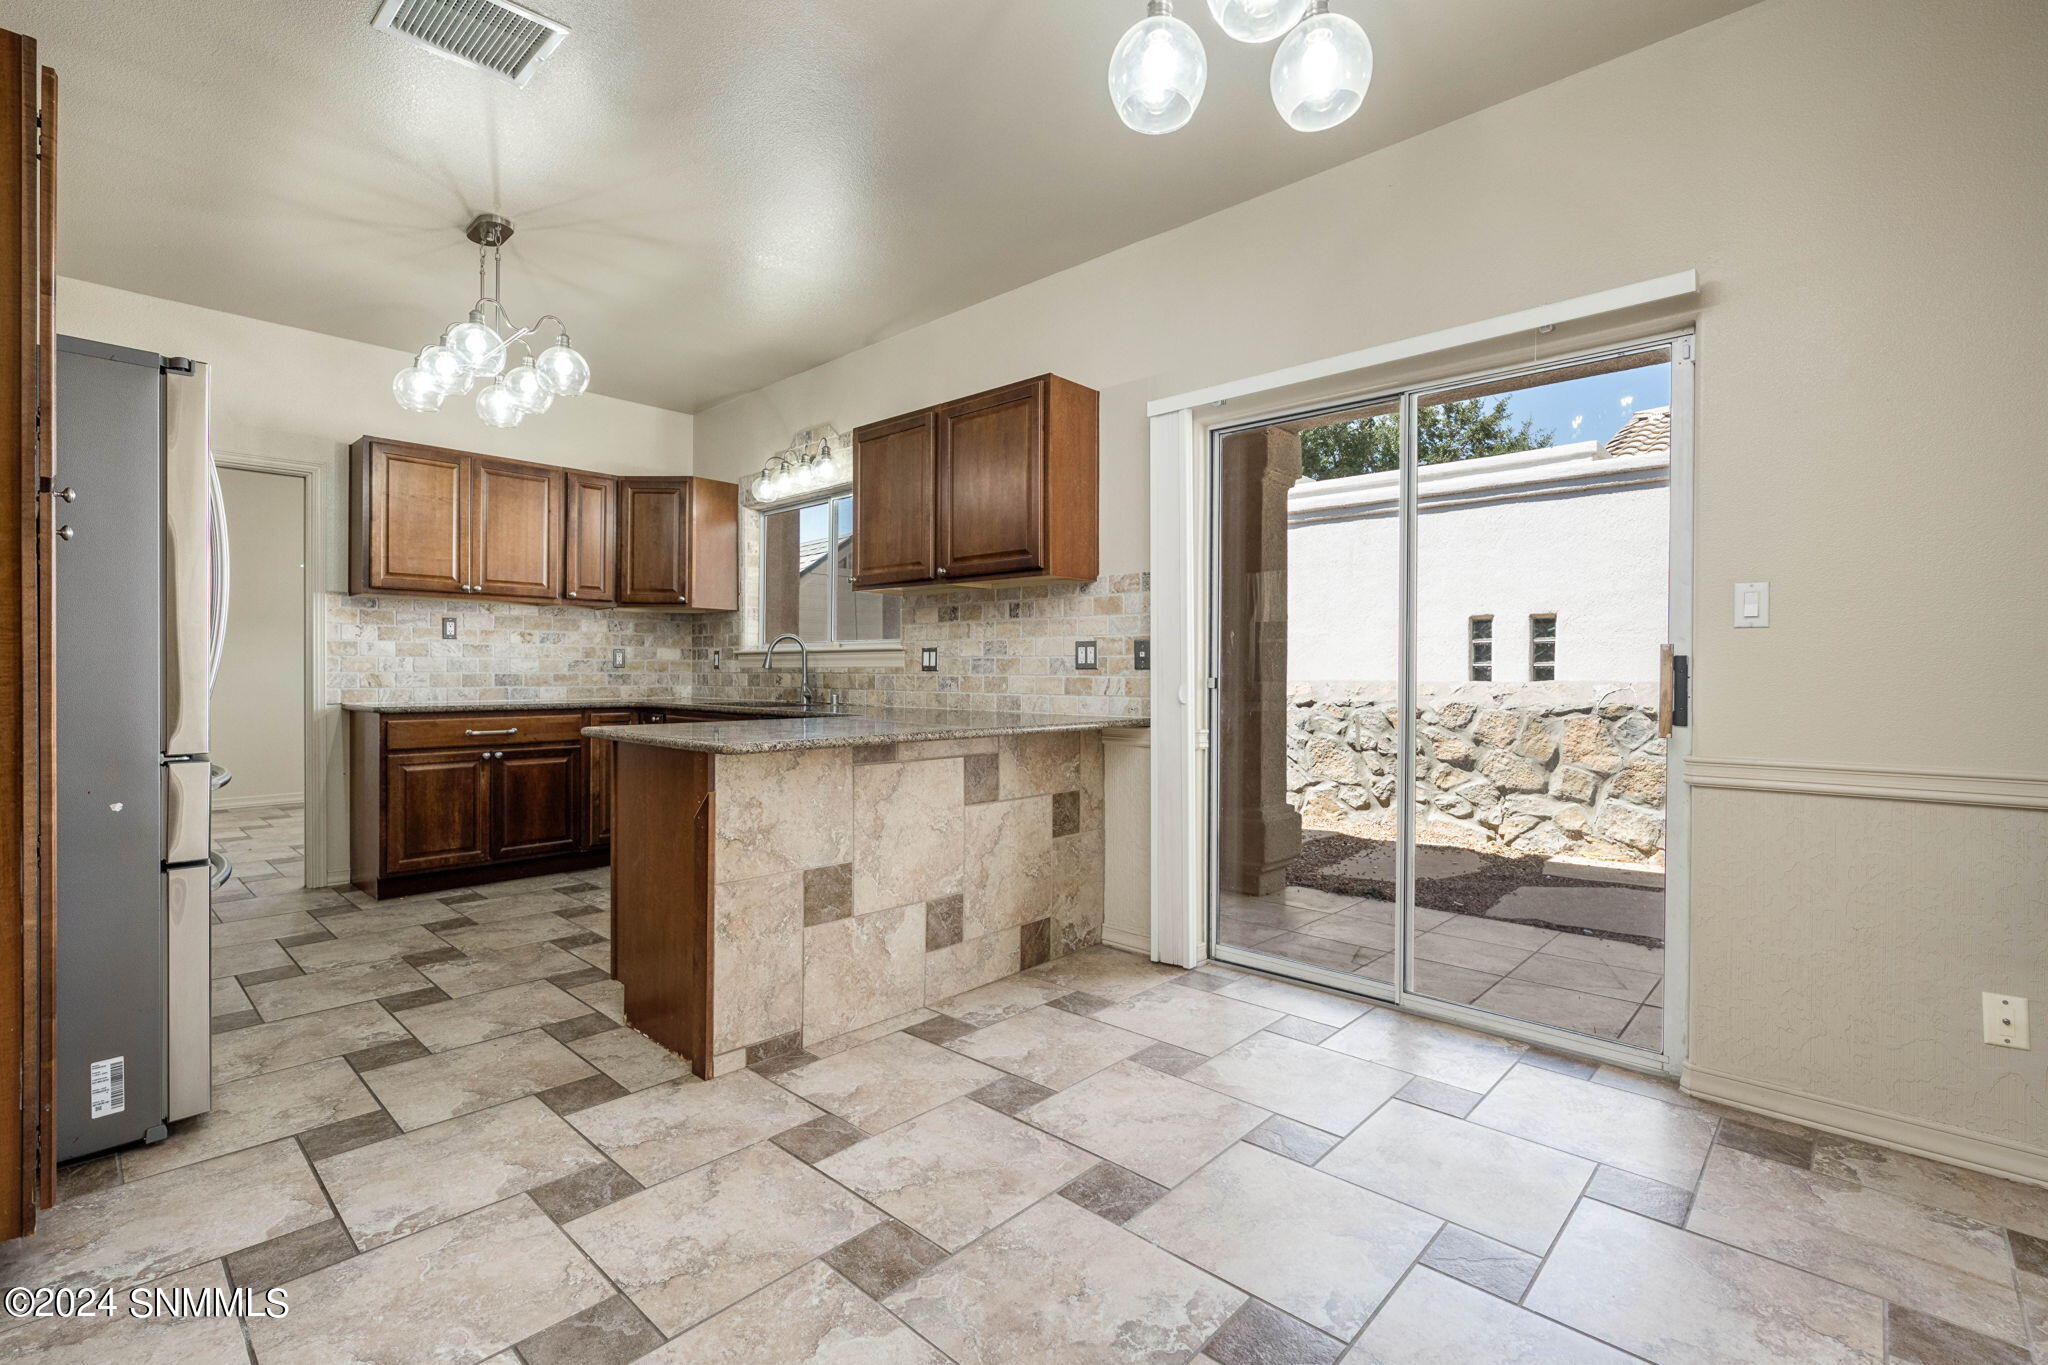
x,y
590,541
679,543
997,486
447,523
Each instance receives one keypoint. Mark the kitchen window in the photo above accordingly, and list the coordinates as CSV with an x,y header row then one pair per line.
x,y
806,581
1479,648
1542,648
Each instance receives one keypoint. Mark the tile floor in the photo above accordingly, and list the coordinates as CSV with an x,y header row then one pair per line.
x,y
1596,986
450,1151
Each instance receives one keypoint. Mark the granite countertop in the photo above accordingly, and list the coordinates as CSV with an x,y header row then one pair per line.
x,y
850,729
424,708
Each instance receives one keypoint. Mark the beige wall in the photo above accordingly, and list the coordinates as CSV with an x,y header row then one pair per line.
x,y
280,393
259,697
1860,185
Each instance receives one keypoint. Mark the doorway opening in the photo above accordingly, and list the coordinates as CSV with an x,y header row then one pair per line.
x,y
1440,761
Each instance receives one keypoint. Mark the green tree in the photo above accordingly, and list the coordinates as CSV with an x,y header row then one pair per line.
x,y
1463,430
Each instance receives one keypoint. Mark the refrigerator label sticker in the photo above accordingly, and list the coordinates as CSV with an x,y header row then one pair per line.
x,y
109,1086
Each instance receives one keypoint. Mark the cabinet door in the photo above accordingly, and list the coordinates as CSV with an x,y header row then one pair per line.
x,y
991,484
654,519
515,520
893,502
412,521
436,810
536,800
590,538
597,778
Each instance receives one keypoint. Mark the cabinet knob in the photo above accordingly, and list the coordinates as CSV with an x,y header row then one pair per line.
x,y
572,592
942,571
68,494
681,598
65,533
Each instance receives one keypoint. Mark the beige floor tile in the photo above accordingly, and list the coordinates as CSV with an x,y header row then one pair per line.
x,y
1322,1007
287,1043
1056,1283
135,1339
510,933
1328,1090
476,1018
259,956
1160,1126
1674,1297
1634,1132
847,1042
429,1176
690,1246
1050,1046
1474,954
430,1089
1594,978
997,1001
123,1235
1598,1016
631,1058
1306,1242
1424,1047
1108,972
358,949
1509,1189
264,928
880,1084
490,969
1585,946
670,1128
1986,1198
1200,1021
316,991
956,1172
228,997
252,1112
459,1291
1432,1319
519,905
606,997
1909,1253
384,916
814,1315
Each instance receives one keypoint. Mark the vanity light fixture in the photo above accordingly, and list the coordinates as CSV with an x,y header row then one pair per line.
x,y
477,351
819,458
1320,71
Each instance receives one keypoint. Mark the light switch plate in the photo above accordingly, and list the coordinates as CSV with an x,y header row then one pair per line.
x,y
1084,654
1752,606
447,627
717,660
2005,1020
618,658
928,658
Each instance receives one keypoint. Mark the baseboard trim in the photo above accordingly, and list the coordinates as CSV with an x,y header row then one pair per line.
x,y
1125,939
2007,791
1957,1146
246,802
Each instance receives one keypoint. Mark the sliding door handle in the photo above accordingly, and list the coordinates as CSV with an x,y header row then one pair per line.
x,y
1674,692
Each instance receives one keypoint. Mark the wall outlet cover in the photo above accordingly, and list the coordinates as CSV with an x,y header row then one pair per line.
x,y
447,627
2005,1020
717,660
1141,654
1085,654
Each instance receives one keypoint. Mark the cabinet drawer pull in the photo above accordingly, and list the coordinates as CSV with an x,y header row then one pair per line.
x,y
513,731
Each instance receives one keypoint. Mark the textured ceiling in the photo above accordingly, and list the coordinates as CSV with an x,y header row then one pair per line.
x,y
714,194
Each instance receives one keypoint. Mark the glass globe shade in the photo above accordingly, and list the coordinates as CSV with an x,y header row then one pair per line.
x,y
498,408
1157,73
1257,21
481,349
416,390
528,389
448,369
1321,72
564,371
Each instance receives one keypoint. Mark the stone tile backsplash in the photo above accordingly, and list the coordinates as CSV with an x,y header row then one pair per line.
x,y
1006,648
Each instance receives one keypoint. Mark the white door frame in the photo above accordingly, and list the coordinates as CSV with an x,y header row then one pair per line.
x,y
313,546
1181,430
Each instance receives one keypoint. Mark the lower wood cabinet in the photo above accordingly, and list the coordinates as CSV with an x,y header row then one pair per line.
x,y
436,810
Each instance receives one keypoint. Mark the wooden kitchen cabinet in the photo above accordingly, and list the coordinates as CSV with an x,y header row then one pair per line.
x,y
590,538
410,519
679,543
436,812
537,800
599,761
515,529
999,486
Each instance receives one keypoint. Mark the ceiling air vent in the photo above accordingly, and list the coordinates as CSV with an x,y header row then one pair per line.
x,y
492,35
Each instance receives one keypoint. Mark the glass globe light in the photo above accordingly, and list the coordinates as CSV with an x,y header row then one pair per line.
x,y
1321,71
563,370
448,370
498,408
481,348
1157,72
528,389
416,390
1257,21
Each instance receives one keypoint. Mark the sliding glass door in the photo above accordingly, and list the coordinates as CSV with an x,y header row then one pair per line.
x,y
1439,744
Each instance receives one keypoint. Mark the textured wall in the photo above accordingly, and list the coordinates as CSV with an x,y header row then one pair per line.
x,y
259,699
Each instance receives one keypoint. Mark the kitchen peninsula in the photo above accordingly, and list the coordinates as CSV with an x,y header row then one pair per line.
x,y
780,882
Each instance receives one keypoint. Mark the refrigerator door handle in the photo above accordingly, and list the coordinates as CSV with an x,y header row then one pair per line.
x,y
188,812
217,565
188,942
188,594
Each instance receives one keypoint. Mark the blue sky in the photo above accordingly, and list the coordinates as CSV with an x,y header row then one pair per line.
x,y
1597,401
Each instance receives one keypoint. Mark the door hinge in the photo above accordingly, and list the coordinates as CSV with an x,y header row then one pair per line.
x,y
1681,690
1201,739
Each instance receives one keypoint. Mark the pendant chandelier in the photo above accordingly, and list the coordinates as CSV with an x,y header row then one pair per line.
x,y
478,350
1320,70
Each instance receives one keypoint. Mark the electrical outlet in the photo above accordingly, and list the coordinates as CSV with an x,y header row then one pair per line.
x,y
928,658
447,627
1084,654
717,660
1141,655
618,658
2005,1020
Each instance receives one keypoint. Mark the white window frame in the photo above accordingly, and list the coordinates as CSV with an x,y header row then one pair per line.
x,y
1472,643
841,653
1535,640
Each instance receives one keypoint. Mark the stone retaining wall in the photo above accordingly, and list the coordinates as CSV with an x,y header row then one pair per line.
x,y
1516,768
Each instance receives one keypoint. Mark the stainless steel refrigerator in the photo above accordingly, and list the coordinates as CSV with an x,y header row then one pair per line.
x,y
138,626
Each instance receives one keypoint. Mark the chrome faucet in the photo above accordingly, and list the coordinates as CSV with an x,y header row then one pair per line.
x,y
803,651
